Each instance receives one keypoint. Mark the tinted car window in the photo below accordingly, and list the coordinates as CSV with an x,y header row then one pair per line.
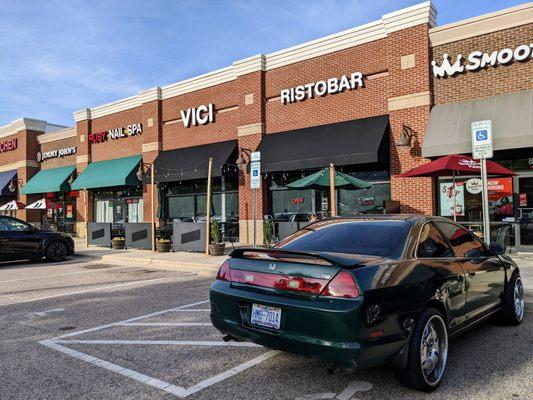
x,y
432,244
12,225
377,238
463,242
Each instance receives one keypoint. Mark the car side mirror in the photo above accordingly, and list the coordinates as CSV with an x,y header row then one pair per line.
x,y
496,249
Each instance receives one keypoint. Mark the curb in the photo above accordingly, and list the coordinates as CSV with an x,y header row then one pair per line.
x,y
203,269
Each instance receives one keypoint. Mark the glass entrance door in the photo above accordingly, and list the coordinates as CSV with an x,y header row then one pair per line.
x,y
524,212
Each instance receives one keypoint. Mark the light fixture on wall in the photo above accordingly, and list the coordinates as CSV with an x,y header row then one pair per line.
x,y
405,136
13,185
241,162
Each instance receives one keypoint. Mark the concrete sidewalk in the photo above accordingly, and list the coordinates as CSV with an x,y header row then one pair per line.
x,y
183,261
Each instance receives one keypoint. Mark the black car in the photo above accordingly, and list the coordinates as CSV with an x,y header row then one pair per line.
x,y
21,241
369,290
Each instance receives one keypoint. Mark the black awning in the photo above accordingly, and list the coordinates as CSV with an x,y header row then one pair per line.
x,y
359,141
192,162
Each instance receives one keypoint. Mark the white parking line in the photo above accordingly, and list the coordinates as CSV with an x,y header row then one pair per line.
x,y
65,274
160,342
192,310
165,324
101,288
59,342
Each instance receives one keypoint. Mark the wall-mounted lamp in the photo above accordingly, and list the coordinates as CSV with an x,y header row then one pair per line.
x,y
241,162
13,185
405,136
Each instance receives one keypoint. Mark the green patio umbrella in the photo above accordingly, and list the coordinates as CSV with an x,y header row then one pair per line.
x,y
321,179
161,214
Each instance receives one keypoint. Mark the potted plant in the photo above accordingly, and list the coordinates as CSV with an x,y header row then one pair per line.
x,y
163,245
118,243
216,248
268,232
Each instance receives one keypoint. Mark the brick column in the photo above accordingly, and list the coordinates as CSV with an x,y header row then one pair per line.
x,y
409,102
152,130
251,89
83,158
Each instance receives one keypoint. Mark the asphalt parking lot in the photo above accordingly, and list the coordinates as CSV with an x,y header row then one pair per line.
x,y
87,330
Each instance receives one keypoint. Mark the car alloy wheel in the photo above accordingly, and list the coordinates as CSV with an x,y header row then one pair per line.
x,y
518,297
434,350
57,251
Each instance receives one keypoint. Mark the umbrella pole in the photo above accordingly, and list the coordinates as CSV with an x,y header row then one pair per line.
x,y
454,199
332,190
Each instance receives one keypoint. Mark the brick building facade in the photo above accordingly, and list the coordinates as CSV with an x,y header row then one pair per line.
x,y
393,55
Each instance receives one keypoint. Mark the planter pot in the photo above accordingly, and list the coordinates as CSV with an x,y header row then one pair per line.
x,y
217,249
118,245
163,247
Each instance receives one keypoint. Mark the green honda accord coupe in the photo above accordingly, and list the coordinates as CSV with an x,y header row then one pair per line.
x,y
368,290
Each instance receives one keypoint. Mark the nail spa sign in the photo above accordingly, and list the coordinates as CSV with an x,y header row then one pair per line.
x,y
116,133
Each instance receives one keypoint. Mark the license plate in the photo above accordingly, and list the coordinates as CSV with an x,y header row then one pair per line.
x,y
269,317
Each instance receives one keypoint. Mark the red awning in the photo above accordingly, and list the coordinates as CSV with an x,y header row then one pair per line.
x,y
456,165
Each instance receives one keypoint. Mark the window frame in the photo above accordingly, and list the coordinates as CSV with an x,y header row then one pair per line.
x,y
462,257
431,222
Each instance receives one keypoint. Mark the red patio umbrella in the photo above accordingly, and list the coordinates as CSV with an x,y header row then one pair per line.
x,y
455,165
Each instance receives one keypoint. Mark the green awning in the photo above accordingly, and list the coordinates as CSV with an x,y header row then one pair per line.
x,y
49,180
117,172
321,179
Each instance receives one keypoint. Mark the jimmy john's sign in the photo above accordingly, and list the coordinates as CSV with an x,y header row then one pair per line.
x,y
57,153
116,133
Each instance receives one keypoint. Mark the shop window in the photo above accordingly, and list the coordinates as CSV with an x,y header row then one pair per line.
x,y
466,204
369,200
289,205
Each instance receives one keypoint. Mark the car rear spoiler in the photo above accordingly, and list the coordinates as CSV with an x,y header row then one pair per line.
x,y
284,255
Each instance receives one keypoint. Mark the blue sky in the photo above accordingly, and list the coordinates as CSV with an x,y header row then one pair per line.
x,y
59,56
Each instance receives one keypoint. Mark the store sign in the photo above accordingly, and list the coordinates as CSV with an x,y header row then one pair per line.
x,y
474,186
452,199
8,145
482,139
321,88
200,115
478,60
116,133
297,200
58,153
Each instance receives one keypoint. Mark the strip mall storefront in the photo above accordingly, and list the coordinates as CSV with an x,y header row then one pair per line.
x,y
482,70
365,100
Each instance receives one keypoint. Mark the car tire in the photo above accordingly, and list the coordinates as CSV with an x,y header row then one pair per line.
x,y
56,251
512,312
428,353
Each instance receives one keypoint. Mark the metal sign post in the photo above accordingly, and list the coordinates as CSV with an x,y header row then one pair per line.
x,y
255,183
481,150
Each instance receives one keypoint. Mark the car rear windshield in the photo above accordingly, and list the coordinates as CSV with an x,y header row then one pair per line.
x,y
375,238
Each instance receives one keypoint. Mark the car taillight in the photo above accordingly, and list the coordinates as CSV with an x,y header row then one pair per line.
x,y
224,273
343,285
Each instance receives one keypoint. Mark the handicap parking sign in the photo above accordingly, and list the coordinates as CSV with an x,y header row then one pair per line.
x,y
482,135
482,139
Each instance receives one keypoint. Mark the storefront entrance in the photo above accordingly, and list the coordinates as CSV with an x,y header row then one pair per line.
x,y
524,211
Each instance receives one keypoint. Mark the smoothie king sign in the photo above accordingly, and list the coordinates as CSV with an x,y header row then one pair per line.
x,y
116,133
